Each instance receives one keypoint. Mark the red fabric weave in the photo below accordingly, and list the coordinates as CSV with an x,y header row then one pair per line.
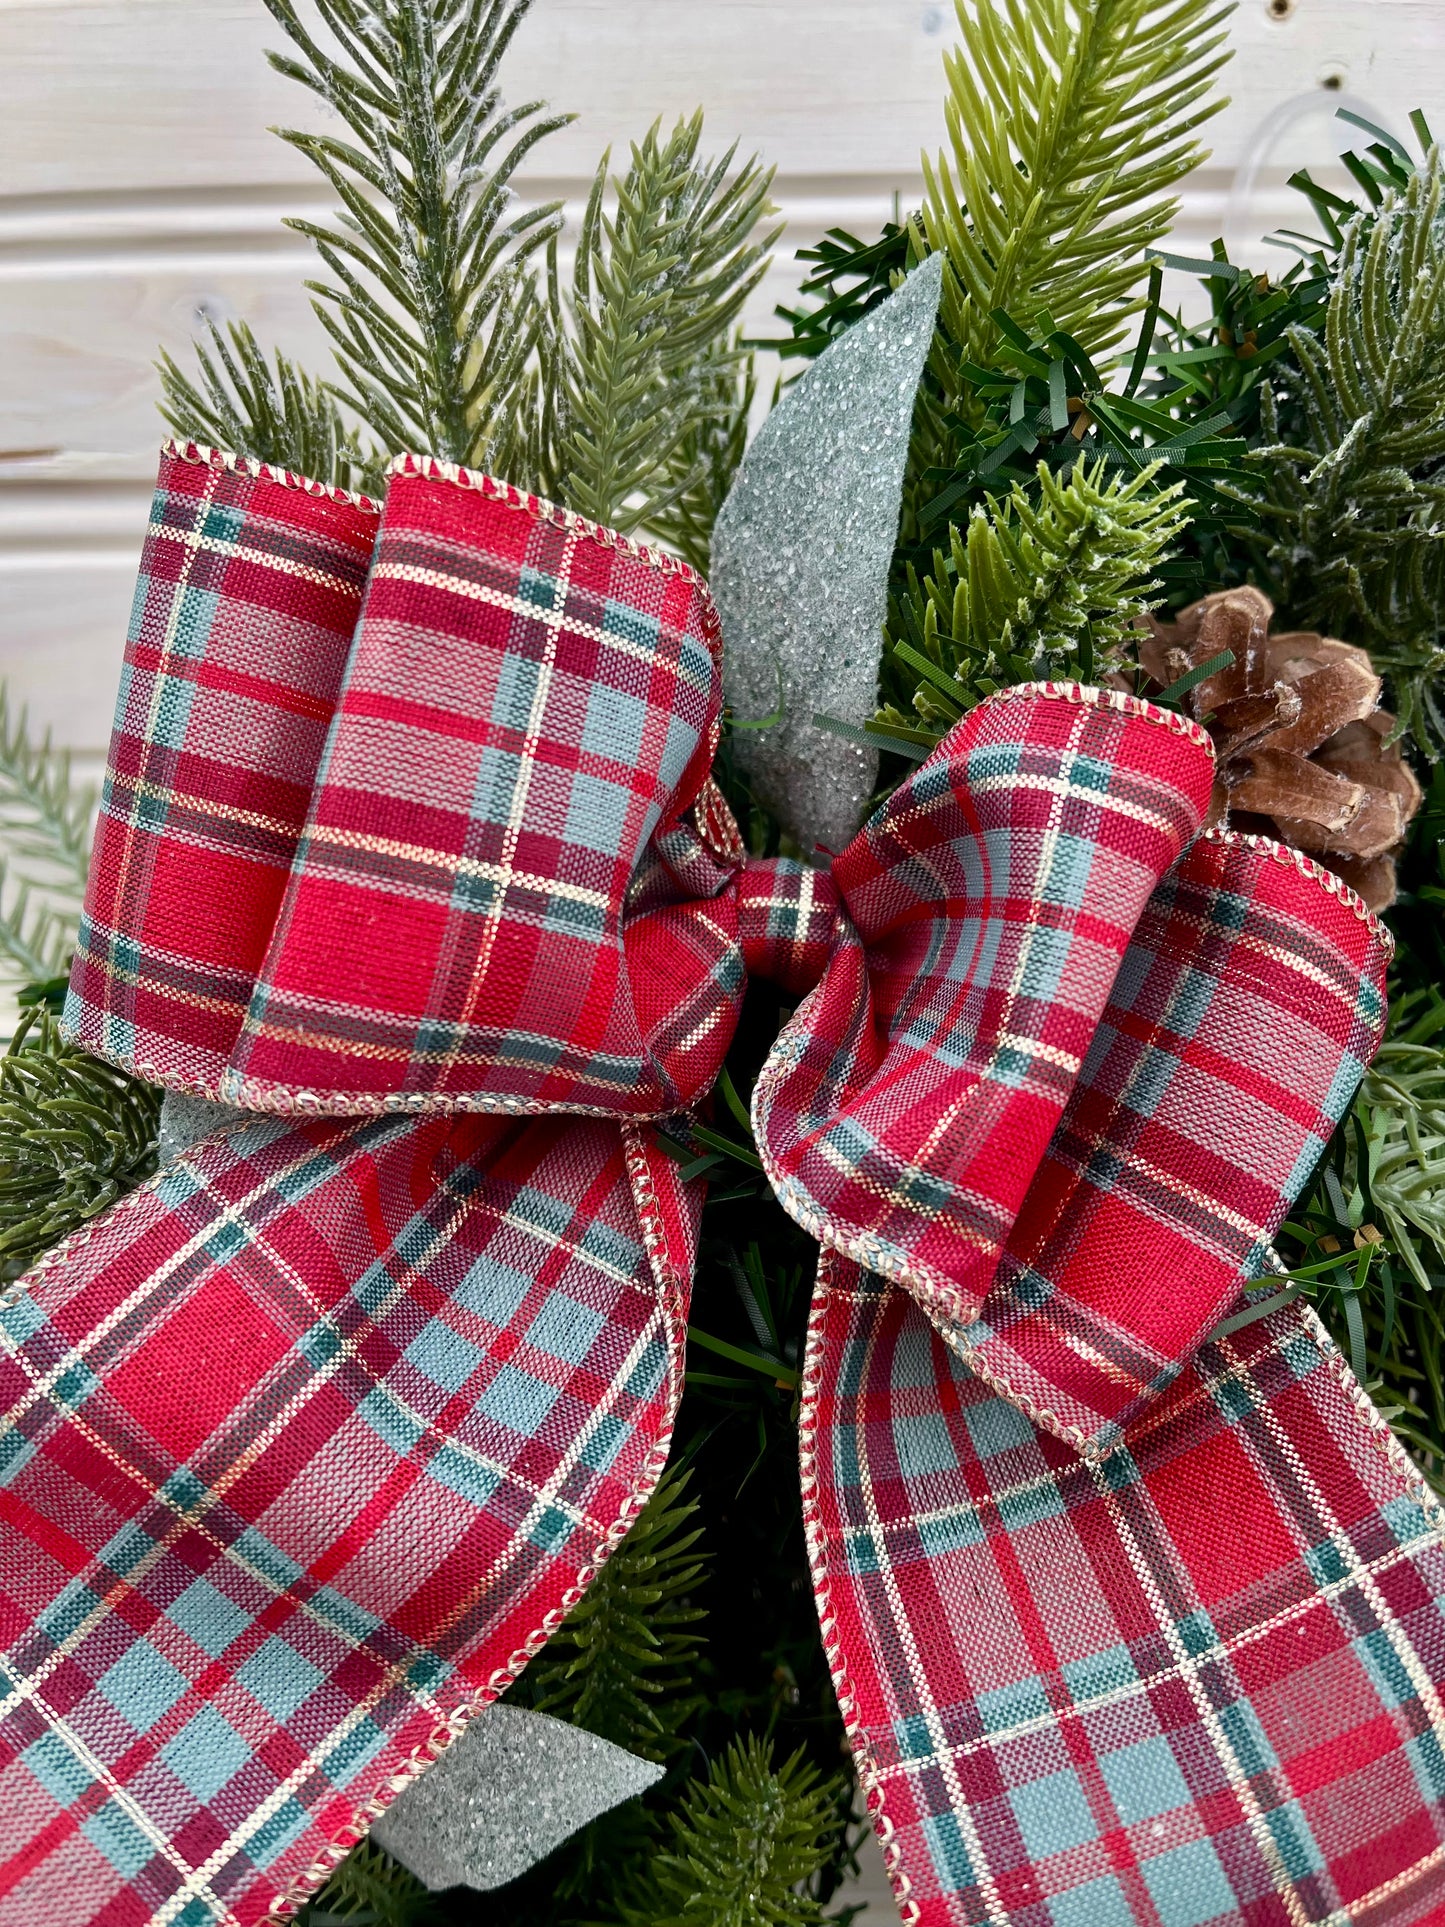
x,y
906,1108
1210,1090
307,1444
525,708
249,591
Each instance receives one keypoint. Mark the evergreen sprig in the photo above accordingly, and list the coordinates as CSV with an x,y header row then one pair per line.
x,y
75,1134
1069,123
1046,403
369,1889
1388,1159
651,385
277,414
37,935
44,816
745,1846
620,1664
707,455
1046,587
1402,1109
45,836
434,309
1357,500
849,278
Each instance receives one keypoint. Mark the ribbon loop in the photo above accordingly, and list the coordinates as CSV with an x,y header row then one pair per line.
x,y
250,587
526,705
435,913
1248,1005
906,1107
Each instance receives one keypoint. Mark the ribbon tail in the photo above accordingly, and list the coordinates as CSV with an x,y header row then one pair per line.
x,y
1199,1680
312,1442
1134,1619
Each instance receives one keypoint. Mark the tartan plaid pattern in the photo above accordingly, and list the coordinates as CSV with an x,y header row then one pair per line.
x,y
459,856
1199,1682
527,703
1248,1004
306,1446
250,586
907,1105
787,918
311,1442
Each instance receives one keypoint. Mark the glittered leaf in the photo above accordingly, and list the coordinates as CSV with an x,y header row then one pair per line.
x,y
800,562
502,1796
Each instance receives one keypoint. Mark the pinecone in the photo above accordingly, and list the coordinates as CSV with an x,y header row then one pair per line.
x,y
1303,747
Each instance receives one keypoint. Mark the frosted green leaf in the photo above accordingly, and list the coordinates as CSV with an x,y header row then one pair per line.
x,y
502,1796
800,563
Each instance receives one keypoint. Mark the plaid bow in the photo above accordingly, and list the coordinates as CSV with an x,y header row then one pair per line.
x,y
408,843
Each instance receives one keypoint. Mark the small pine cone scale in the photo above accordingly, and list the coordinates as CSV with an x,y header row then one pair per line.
x,y
1303,746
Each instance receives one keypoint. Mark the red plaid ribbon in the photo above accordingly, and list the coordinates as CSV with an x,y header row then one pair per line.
x,y
408,838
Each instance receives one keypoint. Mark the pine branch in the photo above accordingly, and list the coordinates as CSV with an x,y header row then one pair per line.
x,y
44,817
36,936
281,416
1402,1108
702,465
620,1665
1368,1240
1357,503
433,309
649,375
369,1889
1069,123
745,1846
45,822
848,281
1047,588
75,1135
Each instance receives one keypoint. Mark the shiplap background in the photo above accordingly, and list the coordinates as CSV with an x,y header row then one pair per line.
x,y
140,191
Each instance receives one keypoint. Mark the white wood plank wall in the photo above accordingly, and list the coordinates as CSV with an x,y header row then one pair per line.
x,y
140,190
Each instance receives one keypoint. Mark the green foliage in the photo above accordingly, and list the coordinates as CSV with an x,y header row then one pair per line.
x,y
1402,1109
45,837
1357,497
75,1135
744,1847
650,383
44,818
707,456
627,398
1368,1241
1069,123
621,1662
281,415
36,935
369,1889
433,309
1218,366
1045,588
849,279
1046,408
